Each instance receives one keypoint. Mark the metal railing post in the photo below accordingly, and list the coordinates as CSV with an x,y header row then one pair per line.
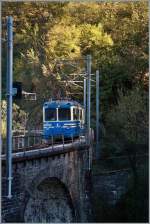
x,y
34,139
80,140
28,140
9,103
63,140
72,139
13,142
41,138
52,142
17,142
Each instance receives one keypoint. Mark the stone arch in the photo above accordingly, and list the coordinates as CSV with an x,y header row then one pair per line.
x,y
50,202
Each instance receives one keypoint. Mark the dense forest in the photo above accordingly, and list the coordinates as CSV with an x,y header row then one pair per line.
x,y
51,41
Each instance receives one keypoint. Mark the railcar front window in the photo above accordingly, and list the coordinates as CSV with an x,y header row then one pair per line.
x,y
50,114
64,114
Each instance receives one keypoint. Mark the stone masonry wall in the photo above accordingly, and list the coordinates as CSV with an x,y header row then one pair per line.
x,y
69,170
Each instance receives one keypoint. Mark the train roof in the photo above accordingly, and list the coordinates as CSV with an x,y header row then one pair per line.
x,y
61,103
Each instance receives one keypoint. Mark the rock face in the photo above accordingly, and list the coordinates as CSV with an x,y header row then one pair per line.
x,y
107,191
50,202
111,187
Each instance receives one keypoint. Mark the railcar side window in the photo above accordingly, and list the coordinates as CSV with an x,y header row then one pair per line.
x,y
75,114
50,114
80,114
64,114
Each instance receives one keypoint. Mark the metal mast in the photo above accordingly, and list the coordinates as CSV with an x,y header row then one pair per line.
x,y
9,103
88,97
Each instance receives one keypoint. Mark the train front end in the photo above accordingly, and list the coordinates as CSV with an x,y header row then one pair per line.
x,y
62,119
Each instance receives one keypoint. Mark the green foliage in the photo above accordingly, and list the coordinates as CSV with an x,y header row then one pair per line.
x,y
93,38
19,117
115,34
63,41
128,121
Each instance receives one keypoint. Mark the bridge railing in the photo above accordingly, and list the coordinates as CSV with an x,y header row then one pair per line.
x,y
35,139
26,141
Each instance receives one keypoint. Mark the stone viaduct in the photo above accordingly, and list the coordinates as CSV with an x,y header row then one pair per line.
x,y
49,185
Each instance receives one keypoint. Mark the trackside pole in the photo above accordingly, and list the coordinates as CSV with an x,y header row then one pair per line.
x,y
88,97
97,116
88,114
9,104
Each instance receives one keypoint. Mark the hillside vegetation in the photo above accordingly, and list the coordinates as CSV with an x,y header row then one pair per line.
x,y
51,41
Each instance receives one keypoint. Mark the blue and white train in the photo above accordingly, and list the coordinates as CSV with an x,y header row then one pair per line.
x,y
63,118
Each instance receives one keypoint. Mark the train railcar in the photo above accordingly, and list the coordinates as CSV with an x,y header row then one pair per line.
x,y
63,118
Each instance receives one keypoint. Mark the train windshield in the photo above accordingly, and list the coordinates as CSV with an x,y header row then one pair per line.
x,y
50,114
64,114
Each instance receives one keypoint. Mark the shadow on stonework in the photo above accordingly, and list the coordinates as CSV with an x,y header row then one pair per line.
x,y
50,203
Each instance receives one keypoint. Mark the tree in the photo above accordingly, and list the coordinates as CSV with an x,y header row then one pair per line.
x,y
127,128
115,34
19,118
130,117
